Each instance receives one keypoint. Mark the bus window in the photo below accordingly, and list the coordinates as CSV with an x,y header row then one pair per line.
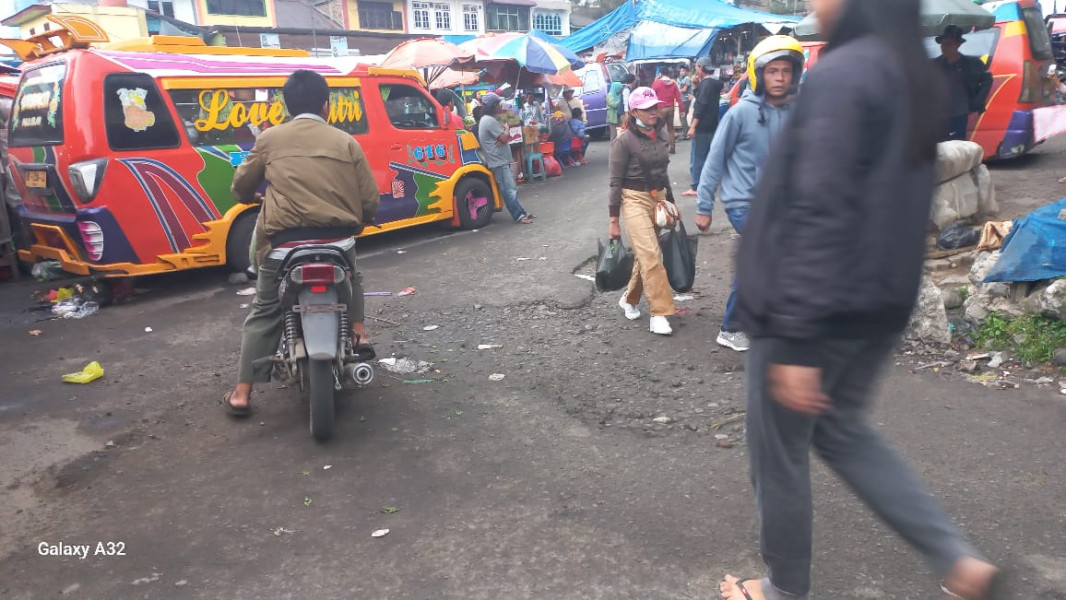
x,y
978,43
409,108
1039,38
37,117
239,115
617,70
135,115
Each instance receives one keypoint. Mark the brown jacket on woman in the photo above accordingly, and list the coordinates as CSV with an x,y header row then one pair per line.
x,y
626,168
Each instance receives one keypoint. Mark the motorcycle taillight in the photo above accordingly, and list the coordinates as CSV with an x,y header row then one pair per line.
x,y
317,273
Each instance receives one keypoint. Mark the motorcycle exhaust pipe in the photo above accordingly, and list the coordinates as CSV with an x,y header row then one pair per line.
x,y
361,373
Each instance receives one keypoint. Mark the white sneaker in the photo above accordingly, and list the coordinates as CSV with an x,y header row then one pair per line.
x,y
736,341
660,326
632,312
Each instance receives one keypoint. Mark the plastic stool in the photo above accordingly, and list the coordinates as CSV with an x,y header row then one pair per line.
x,y
531,173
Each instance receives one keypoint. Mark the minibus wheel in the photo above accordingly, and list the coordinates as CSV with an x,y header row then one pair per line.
x,y
239,241
467,193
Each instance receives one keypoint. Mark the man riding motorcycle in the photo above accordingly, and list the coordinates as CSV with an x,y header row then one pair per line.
x,y
320,189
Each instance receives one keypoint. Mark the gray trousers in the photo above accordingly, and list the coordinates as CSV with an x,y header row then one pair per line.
x,y
780,440
263,327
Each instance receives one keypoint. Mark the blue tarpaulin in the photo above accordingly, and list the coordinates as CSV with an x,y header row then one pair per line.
x,y
687,23
1035,249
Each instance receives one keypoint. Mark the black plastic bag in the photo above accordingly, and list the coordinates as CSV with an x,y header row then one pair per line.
x,y
958,235
679,257
614,266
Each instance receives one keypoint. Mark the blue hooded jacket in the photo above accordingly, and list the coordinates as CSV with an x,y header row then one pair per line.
x,y
739,149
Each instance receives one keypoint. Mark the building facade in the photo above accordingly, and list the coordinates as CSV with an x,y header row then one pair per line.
x,y
474,17
323,26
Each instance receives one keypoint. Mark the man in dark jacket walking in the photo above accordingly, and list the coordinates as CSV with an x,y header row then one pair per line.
x,y
829,269
968,82
704,120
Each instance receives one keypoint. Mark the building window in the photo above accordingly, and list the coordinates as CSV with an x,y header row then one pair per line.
x,y
241,8
548,22
379,15
439,20
471,18
443,16
163,7
507,18
421,14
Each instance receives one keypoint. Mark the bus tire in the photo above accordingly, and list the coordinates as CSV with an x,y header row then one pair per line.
x,y
240,240
467,190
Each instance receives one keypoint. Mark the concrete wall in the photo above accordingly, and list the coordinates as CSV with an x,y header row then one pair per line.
x,y
366,45
185,10
120,22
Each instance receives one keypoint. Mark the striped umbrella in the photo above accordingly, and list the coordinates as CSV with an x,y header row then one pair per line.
x,y
533,54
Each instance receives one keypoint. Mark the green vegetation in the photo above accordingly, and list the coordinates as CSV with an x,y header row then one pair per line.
x,y
1032,338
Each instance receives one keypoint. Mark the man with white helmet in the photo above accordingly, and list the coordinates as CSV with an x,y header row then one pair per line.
x,y
741,145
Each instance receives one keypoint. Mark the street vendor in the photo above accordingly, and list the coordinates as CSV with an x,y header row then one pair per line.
x,y
571,103
532,113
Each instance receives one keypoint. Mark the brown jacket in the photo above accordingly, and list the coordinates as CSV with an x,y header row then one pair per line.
x,y
625,169
320,184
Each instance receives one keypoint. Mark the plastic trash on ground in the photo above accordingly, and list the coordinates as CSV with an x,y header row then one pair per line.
x,y
91,372
405,365
959,234
75,309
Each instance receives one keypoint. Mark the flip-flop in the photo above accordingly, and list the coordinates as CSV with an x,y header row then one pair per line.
x,y
524,221
237,412
740,586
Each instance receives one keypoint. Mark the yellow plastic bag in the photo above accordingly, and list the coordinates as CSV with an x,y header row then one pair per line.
x,y
91,372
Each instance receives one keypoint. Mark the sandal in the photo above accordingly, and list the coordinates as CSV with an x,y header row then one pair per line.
x,y
237,412
525,221
740,586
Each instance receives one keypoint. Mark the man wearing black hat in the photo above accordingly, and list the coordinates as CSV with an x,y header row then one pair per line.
x,y
968,82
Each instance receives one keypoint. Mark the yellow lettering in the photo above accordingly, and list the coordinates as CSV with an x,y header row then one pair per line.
x,y
276,116
212,102
221,112
346,108
238,117
257,113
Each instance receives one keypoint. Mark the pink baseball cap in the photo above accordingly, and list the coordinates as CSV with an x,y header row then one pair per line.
x,y
643,98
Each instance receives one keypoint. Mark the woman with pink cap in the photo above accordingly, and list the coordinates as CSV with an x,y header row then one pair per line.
x,y
638,181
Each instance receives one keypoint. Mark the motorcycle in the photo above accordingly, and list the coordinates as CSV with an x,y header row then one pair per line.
x,y
316,350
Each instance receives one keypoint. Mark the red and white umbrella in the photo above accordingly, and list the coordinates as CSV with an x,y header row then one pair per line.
x,y
425,53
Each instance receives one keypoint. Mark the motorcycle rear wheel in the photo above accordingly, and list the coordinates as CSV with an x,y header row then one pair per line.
x,y
320,380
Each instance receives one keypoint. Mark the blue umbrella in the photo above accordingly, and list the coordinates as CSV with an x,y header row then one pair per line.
x,y
537,55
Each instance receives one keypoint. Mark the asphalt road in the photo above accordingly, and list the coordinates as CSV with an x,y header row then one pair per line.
x,y
554,483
